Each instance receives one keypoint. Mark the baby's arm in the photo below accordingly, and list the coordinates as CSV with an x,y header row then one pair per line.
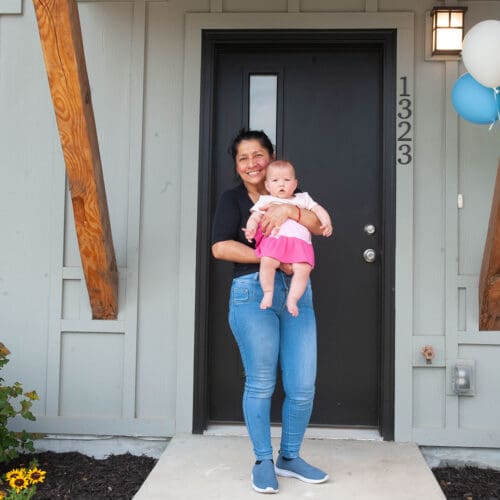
x,y
252,225
324,218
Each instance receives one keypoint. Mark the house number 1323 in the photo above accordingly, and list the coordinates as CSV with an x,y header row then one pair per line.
x,y
404,139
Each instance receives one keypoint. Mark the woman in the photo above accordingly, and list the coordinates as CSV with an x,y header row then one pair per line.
x,y
264,336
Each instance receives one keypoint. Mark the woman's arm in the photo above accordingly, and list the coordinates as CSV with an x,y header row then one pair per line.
x,y
324,218
277,214
226,230
234,251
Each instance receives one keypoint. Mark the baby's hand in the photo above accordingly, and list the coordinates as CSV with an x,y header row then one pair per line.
x,y
327,229
249,233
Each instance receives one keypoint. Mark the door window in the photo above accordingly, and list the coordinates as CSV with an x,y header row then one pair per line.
x,y
263,104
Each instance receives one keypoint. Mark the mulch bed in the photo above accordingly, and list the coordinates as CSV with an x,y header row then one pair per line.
x,y
468,483
73,476
78,477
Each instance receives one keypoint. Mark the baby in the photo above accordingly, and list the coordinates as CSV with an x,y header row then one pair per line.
x,y
291,243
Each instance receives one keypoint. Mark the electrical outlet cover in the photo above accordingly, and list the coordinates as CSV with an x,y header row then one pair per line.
x,y
469,367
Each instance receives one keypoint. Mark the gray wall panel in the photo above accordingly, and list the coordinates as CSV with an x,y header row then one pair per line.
x,y
91,374
28,147
482,411
428,397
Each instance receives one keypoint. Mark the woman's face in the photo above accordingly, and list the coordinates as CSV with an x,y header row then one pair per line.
x,y
251,162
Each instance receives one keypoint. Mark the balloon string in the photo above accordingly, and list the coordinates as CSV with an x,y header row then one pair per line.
x,y
496,91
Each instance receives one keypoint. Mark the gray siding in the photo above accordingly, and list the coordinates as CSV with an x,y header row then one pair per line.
x,y
134,375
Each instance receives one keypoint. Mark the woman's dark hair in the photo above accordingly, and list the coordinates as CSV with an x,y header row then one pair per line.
x,y
248,135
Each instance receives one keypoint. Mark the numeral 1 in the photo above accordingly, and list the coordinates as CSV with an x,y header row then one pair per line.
x,y
405,92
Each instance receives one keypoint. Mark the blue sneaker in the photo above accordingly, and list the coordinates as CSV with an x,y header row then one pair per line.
x,y
264,478
296,467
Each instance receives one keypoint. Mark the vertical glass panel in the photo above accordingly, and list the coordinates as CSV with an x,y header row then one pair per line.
x,y
457,19
263,104
443,19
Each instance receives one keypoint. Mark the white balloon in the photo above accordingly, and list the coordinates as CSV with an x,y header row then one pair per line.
x,y
481,52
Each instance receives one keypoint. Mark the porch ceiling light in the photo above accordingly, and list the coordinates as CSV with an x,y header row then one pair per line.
x,y
447,30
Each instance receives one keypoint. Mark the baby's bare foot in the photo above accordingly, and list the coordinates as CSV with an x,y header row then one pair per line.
x,y
267,300
292,308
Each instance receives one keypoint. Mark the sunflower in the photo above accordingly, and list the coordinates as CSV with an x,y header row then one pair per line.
x,y
15,473
2,495
18,483
35,475
32,395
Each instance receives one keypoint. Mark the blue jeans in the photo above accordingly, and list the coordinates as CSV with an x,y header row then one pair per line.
x,y
263,337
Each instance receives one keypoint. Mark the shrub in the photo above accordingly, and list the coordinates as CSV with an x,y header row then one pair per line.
x,y
13,403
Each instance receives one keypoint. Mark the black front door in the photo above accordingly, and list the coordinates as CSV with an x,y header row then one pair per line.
x,y
334,94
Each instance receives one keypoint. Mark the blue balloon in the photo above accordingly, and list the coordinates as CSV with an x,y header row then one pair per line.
x,y
475,102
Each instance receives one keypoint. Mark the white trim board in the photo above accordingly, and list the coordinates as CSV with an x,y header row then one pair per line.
x,y
195,23
460,436
11,7
97,425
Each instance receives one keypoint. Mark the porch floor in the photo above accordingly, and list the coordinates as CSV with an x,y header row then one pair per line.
x,y
218,467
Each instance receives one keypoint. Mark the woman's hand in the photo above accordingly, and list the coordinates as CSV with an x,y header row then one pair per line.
x,y
276,215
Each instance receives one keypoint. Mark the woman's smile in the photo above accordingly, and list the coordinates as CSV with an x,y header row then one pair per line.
x,y
255,171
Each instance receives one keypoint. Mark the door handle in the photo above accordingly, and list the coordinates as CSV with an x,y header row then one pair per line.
x,y
369,255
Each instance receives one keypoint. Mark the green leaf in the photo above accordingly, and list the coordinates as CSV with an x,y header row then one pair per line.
x,y
28,415
25,405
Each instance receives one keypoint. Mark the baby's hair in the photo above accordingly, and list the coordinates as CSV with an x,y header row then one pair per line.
x,y
280,164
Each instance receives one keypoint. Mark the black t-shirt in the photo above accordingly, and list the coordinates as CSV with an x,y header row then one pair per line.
x,y
231,214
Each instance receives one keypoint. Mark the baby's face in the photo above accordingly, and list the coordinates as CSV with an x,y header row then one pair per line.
x,y
281,181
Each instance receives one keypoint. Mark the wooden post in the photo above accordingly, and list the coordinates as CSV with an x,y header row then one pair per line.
x,y
489,281
61,39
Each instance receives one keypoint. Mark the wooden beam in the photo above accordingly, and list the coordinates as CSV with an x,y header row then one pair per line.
x,y
489,280
61,39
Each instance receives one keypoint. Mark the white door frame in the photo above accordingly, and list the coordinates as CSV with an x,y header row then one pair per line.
x,y
403,22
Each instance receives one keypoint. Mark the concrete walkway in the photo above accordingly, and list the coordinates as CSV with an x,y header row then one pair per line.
x,y
215,467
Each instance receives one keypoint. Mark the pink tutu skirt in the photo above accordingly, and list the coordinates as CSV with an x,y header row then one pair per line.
x,y
286,249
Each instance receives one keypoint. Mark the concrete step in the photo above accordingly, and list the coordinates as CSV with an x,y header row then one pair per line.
x,y
219,467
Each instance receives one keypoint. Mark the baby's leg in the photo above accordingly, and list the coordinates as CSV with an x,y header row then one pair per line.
x,y
268,267
298,285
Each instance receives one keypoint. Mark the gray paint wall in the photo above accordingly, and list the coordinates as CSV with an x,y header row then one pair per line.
x,y
130,376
